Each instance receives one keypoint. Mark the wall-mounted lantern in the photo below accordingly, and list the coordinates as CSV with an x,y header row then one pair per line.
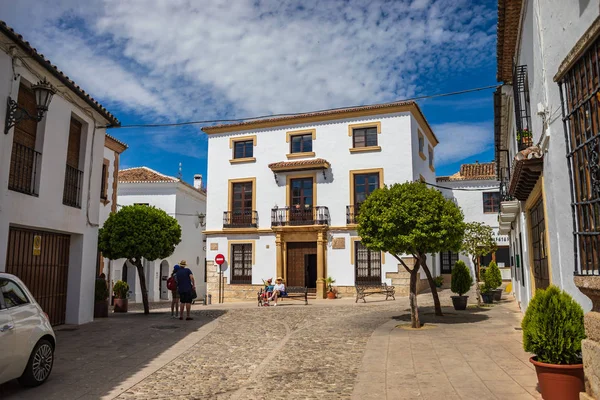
x,y
43,92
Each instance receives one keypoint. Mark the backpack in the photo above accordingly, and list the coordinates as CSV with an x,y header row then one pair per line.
x,y
171,283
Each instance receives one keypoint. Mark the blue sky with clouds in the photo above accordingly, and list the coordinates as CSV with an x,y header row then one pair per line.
x,y
176,60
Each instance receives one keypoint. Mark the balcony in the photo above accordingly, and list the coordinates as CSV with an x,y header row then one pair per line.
x,y
298,216
240,219
73,187
24,165
351,214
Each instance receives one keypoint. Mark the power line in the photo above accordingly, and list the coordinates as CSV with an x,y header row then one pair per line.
x,y
211,121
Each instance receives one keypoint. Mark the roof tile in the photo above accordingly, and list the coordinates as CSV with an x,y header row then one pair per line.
x,y
472,172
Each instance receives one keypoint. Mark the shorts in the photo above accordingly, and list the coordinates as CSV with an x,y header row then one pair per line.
x,y
282,294
185,297
175,294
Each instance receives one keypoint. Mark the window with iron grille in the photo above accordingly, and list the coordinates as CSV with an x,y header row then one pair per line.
x,y
522,107
491,202
301,143
243,149
367,265
449,258
364,137
580,91
241,263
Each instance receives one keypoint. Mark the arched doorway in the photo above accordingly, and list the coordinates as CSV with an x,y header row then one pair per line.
x,y
124,273
164,275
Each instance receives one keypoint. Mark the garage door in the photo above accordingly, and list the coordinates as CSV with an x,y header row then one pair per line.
x,y
41,260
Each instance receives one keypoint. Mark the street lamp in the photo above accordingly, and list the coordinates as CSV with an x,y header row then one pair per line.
x,y
43,92
200,220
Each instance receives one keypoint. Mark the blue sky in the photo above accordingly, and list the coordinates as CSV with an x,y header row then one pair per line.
x,y
177,60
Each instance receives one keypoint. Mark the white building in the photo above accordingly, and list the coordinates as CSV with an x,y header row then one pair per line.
x,y
475,188
284,192
50,183
180,200
547,167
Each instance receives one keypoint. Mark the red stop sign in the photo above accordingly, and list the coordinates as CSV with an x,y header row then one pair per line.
x,y
220,259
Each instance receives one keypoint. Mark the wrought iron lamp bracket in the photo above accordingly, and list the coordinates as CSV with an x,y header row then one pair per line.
x,y
16,114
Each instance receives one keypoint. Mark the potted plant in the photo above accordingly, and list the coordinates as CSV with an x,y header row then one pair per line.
x,y
121,290
439,281
553,329
525,137
460,284
101,299
495,280
331,292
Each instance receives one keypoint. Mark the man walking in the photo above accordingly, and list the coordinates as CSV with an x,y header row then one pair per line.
x,y
185,285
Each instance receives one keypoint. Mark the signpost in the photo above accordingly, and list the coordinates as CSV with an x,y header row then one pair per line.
x,y
219,260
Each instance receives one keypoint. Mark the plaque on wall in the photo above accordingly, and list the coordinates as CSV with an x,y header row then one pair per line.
x,y
338,243
214,246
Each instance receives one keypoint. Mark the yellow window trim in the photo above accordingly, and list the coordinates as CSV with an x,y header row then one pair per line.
x,y
242,160
288,135
422,178
432,168
307,154
352,127
232,140
537,192
288,194
230,242
365,149
423,156
353,240
421,136
363,171
230,191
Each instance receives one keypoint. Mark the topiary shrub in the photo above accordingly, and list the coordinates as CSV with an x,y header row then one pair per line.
x,y
121,289
101,292
494,276
553,327
461,278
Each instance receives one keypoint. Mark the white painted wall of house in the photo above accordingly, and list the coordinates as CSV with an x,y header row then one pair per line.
x,y
46,211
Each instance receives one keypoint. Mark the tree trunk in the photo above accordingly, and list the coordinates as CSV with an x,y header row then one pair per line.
x,y
477,290
142,276
414,310
436,298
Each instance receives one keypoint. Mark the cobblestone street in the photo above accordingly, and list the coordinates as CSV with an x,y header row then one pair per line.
x,y
335,349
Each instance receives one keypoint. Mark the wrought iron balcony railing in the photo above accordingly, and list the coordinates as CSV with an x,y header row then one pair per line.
x,y
73,187
300,215
351,214
24,167
240,219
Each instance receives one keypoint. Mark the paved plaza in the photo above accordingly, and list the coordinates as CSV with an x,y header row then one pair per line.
x,y
336,349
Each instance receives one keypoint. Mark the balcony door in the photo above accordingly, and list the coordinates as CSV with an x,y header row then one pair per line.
x,y
301,206
364,185
241,206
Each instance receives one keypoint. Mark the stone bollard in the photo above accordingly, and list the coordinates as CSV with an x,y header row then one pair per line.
x,y
590,347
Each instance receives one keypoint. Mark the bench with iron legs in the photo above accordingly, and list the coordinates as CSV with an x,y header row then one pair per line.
x,y
363,291
292,292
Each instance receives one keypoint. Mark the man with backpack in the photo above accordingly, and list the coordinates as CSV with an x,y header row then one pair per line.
x,y
186,286
172,286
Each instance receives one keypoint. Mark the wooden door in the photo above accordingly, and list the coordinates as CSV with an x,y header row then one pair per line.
x,y
541,273
45,272
297,262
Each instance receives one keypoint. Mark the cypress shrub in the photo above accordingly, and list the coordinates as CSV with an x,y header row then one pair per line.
x,y
461,278
553,327
494,276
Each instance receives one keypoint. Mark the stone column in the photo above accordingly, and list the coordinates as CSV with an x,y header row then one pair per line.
x,y
590,347
320,266
284,261
279,254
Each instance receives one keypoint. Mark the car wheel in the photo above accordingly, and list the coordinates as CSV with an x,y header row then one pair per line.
x,y
40,364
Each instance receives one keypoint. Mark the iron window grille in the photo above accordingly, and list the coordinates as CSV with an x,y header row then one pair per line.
x,y
522,107
104,183
73,187
367,265
580,99
24,166
241,263
243,149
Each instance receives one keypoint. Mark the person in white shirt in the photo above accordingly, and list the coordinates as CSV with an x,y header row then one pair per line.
x,y
278,290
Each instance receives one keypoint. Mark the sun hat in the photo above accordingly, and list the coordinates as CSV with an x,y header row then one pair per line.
x,y
183,263
279,278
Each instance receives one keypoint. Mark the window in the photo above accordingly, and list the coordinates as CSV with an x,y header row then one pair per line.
x,y
522,107
301,197
104,184
13,295
491,202
421,143
449,258
431,167
241,204
367,265
301,143
364,137
241,263
73,176
243,149
538,244
364,185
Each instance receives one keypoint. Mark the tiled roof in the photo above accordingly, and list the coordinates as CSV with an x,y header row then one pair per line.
x,y
115,144
143,175
472,172
299,165
509,15
58,74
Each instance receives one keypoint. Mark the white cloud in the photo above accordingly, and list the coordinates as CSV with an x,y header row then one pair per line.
x,y
178,59
460,140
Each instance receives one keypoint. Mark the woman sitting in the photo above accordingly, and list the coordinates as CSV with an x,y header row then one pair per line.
x,y
278,290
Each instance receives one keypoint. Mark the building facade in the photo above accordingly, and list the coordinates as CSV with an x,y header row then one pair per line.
x,y
285,192
476,190
184,202
50,182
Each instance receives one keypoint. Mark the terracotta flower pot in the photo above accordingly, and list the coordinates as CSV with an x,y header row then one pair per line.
x,y
121,305
559,382
488,298
331,295
101,309
459,302
498,294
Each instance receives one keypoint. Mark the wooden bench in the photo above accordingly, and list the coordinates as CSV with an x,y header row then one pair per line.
x,y
292,292
363,291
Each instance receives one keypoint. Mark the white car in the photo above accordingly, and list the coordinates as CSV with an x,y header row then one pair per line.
x,y
27,340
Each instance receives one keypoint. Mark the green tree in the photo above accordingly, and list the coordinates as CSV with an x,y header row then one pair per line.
x,y
461,278
478,241
137,232
410,218
494,275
